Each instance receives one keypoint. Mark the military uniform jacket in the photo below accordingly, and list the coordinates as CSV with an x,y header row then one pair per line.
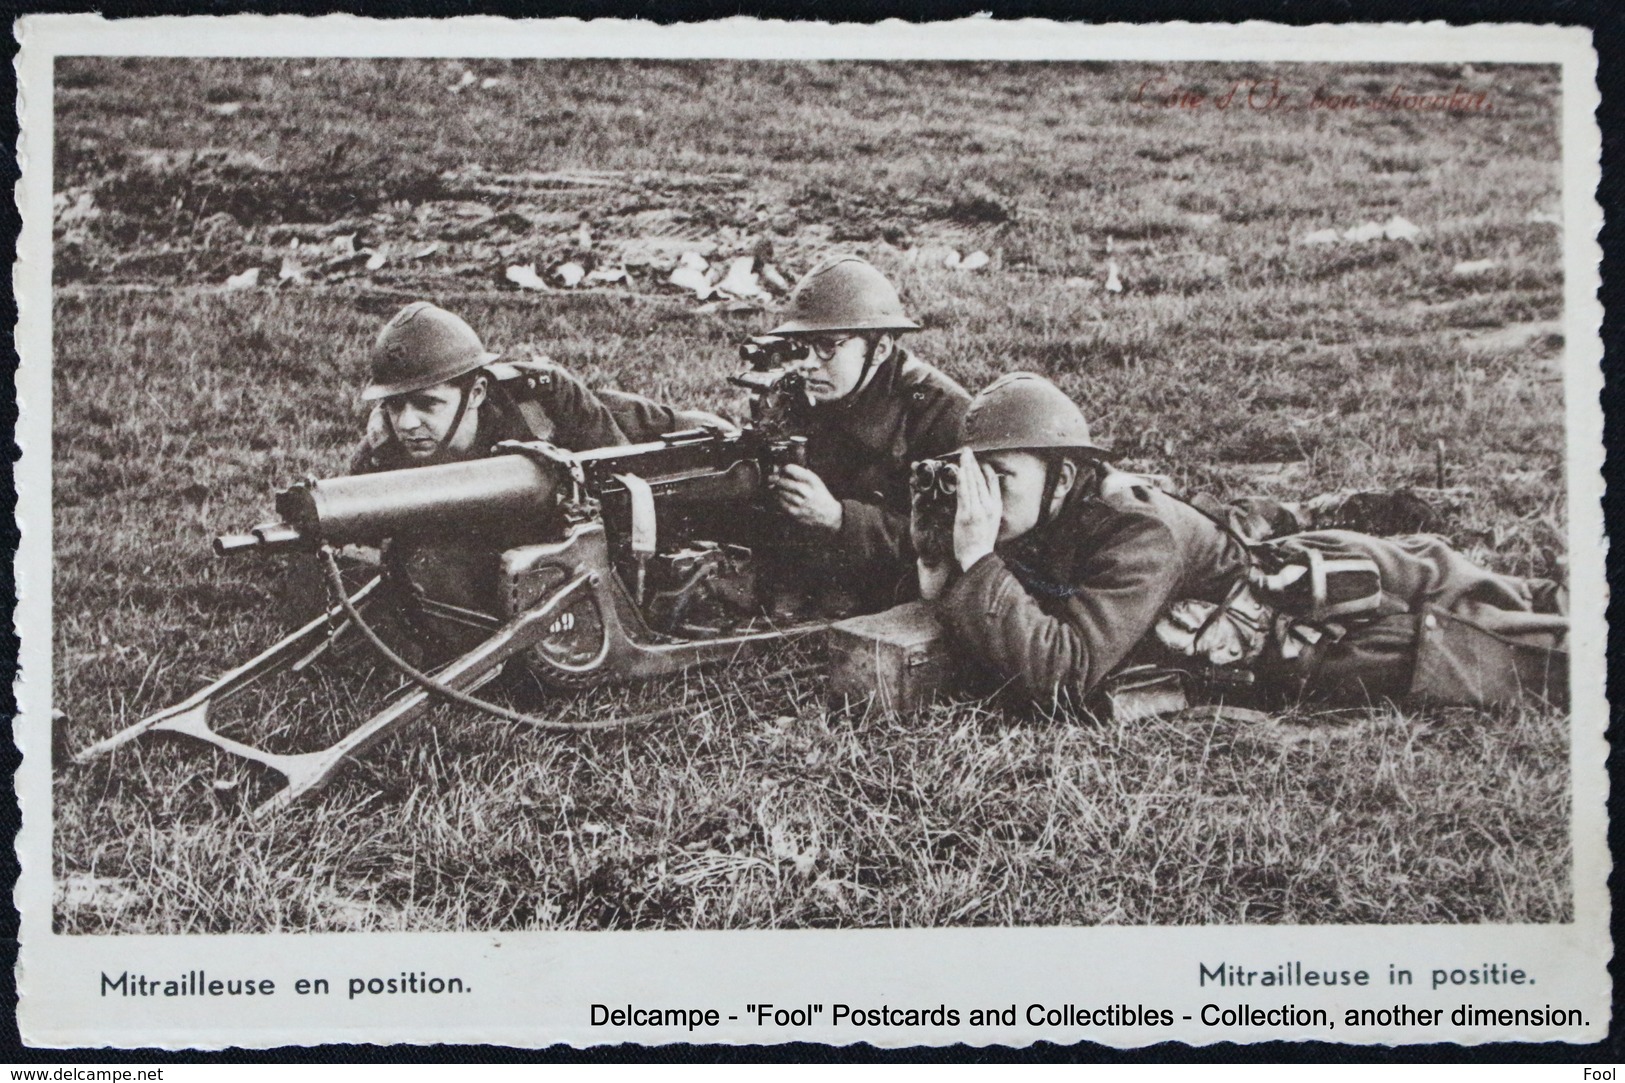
x,y
1055,612
535,400
862,447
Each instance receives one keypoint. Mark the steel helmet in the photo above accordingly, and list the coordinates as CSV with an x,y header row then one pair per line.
x,y
422,346
844,294
1021,411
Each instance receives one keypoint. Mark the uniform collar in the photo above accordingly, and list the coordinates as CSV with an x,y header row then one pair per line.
x,y
865,410
1057,544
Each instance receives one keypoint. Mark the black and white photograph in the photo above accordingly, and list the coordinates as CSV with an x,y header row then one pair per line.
x,y
532,494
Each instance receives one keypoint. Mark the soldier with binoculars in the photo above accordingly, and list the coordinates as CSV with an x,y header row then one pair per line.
x,y
1059,571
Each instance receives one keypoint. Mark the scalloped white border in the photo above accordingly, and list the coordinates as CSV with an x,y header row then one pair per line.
x,y
537,984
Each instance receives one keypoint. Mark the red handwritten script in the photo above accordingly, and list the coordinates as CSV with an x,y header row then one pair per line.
x,y
1269,96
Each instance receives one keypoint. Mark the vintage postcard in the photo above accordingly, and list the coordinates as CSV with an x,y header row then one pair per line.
x,y
984,533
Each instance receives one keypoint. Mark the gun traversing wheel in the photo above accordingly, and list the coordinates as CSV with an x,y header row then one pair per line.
x,y
622,563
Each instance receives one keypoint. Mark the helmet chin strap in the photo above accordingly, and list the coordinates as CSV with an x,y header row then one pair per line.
x,y
1052,485
870,346
444,445
456,420
1052,479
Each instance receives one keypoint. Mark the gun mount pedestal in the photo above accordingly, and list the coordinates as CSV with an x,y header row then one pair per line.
x,y
190,716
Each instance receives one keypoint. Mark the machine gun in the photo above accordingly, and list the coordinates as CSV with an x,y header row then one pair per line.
x,y
618,563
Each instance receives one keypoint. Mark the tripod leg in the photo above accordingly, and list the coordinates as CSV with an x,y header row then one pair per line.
x,y
310,771
187,715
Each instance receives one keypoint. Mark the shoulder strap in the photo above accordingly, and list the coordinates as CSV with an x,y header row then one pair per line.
x,y
1114,482
514,368
1220,516
917,376
521,383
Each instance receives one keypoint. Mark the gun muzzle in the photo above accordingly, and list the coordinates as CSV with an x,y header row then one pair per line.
x,y
453,497
265,538
276,535
226,545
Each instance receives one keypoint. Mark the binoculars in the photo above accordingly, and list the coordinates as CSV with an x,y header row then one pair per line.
x,y
935,480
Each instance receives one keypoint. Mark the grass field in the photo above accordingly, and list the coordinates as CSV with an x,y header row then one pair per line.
x,y
1234,359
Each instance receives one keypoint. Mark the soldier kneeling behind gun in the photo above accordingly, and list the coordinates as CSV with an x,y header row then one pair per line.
x,y
1069,581
440,396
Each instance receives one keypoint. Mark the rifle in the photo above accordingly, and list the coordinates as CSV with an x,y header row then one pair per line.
x,y
618,563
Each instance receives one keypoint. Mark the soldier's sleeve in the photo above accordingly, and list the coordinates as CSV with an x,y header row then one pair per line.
x,y
641,419
872,535
1118,597
581,419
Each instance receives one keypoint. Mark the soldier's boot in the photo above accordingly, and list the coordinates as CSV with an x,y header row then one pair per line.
x,y
1386,513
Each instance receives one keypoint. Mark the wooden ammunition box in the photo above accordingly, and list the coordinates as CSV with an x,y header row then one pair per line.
x,y
897,661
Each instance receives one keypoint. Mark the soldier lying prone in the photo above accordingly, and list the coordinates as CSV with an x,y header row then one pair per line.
x,y
1064,574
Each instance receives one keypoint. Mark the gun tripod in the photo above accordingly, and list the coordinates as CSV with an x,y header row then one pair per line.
x,y
578,565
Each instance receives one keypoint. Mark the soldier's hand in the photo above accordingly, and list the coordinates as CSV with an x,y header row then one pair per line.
x,y
933,579
933,548
981,507
803,496
931,532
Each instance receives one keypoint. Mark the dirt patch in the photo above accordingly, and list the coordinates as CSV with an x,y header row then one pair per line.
x,y
224,218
